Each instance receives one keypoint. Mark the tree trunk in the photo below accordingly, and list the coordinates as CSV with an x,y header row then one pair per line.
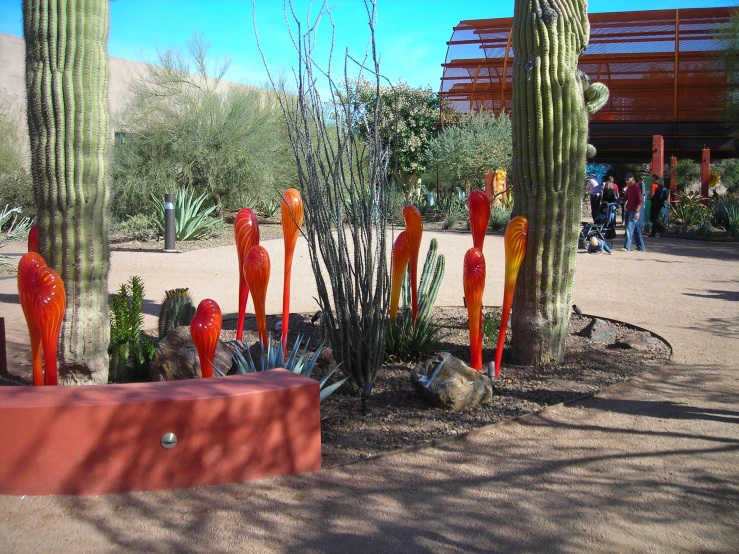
x,y
550,131
67,91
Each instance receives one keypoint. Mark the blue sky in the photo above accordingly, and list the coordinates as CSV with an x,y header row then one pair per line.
x,y
411,34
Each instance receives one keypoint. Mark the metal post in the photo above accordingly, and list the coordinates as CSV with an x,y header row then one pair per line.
x,y
169,223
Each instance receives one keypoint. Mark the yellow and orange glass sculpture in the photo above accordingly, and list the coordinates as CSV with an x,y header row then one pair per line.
x,y
256,272
292,220
473,278
400,263
515,251
246,233
500,188
413,233
33,239
205,329
479,217
43,300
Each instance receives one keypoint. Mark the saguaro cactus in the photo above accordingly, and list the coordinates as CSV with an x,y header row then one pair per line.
x,y
551,101
67,90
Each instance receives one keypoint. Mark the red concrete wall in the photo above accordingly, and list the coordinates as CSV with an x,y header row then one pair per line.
x,y
106,439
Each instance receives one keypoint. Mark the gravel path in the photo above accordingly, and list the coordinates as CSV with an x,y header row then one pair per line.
x,y
648,465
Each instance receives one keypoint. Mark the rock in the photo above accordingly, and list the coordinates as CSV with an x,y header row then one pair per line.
x,y
455,387
638,340
326,359
177,358
599,330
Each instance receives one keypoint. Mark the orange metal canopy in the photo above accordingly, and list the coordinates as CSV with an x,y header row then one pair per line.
x,y
662,68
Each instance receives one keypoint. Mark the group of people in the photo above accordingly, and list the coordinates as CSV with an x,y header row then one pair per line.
x,y
631,199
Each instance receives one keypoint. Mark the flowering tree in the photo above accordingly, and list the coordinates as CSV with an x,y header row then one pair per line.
x,y
408,118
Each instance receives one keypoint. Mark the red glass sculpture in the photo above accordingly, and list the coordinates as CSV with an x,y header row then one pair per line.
x,y
256,272
43,300
515,251
205,329
246,233
473,278
400,263
413,232
292,220
33,239
479,217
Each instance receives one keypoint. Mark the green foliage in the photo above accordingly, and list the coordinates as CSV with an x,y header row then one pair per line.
x,y
499,217
16,189
728,38
184,129
490,328
688,174
297,362
269,208
17,229
408,118
139,227
177,309
453,210
479,143
131,350
732,219
729,172
406,341
689,210
192,221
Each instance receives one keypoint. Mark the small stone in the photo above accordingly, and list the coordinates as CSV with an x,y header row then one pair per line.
x,y
599,330
326,359
454,386
638,340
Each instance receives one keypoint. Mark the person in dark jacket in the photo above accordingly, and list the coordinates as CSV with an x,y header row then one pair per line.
x,y
659,196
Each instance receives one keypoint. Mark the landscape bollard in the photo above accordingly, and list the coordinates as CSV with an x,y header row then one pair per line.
x,y
169,223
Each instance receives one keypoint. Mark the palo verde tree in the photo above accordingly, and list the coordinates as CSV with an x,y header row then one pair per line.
x,y
407,118
67,91
551,101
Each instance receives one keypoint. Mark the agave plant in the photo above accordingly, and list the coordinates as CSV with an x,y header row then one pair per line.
x,y
269,208
298,362
192,221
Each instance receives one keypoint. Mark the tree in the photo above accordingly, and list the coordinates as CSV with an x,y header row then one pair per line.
x,y
551,101
479,143
184,128
67,91
407,119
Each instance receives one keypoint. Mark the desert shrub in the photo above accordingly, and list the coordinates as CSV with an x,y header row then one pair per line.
x,y
192,220
689,210
269,208
452,211
490,328
499,217
688,175
732,219
139,227
16,189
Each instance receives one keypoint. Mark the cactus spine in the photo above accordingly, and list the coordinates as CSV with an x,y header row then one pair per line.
x,y
67,93
176,310
551,101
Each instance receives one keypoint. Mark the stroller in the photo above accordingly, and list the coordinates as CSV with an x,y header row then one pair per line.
x,y
604,226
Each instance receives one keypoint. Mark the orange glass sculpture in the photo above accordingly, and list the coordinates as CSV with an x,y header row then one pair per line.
x,y
33,239
500,188
256,272
205,329
292,220
479,217
400,263
43,300
473,278
413,233
246,233
515,251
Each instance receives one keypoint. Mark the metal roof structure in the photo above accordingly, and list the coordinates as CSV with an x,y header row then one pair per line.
x,y
662,69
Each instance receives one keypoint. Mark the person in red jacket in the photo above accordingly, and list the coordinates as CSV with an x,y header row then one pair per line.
x,y
632,209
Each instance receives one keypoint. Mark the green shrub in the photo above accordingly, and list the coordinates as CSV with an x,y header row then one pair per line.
x,y
131,350
139,227
732,219
269,208
16,189
499,217
453,210
192,221
406,341
490,328
689,210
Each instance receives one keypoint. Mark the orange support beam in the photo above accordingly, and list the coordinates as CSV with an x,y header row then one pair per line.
x,y
705,171
673,177
658,155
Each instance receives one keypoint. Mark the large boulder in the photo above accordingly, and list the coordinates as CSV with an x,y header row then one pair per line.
x,y
177,358
455,386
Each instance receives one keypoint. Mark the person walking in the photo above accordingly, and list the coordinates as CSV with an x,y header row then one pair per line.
x,y
632,209
594,188
658,196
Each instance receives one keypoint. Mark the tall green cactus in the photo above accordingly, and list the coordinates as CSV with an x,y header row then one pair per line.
x,y
551,102
176,310
67,91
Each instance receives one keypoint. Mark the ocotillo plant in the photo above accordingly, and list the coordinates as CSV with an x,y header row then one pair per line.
x,y
246,234
473,279
292,220
67,98
205,329
479,206
515,250
256,271
551,101
42,297
413,233
400,263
